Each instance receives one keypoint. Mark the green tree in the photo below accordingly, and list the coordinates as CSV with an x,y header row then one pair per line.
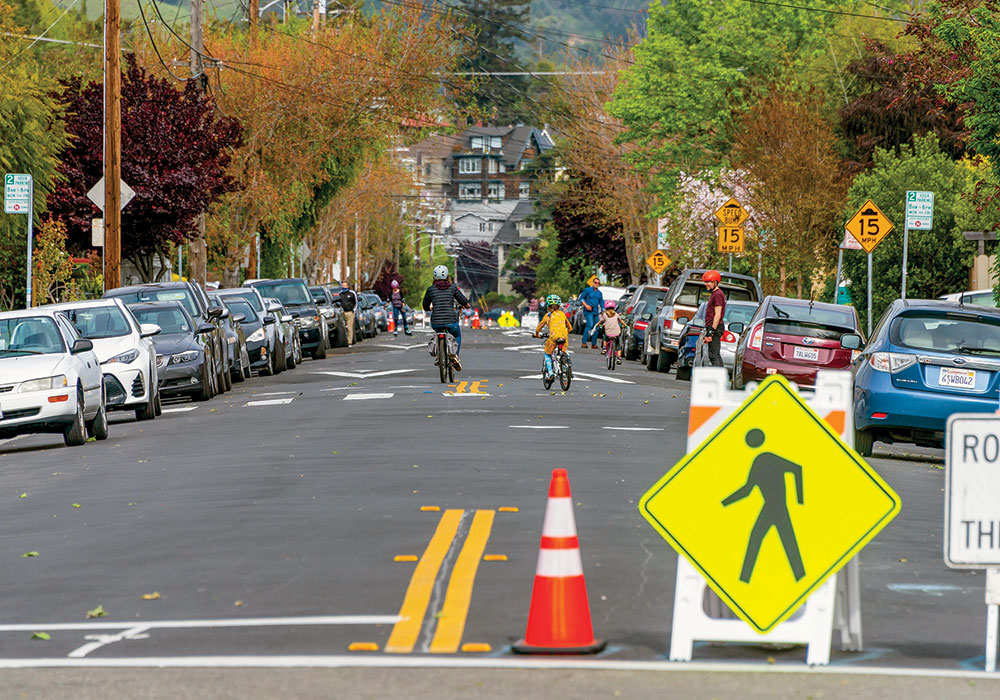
x,y
30,137
938,259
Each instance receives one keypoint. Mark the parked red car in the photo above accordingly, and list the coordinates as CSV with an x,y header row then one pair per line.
x,y
795,338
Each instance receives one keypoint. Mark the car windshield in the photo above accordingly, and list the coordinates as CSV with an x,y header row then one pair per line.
x,y
960,334
288,292
97,322
184,296
695,293
809,313
171,321
239,306
247,296
30,335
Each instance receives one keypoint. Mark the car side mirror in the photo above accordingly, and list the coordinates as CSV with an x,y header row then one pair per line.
x,y
287,318
239,318
269,319
682,321
148,330
225,313
204,328
274,307
851,341
736,327
81,345
646,317
215,312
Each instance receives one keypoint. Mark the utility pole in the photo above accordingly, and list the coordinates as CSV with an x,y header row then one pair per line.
x,y
198,259
315,24
253,17
343,255
357,253
112,144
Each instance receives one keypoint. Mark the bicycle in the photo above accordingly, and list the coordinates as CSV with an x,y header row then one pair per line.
x,y
562,366
446,366
611,347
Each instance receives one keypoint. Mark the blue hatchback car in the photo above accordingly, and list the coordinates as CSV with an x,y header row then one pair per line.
x,y
925,361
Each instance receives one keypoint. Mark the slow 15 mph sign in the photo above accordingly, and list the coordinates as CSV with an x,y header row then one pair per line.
x,y
972,482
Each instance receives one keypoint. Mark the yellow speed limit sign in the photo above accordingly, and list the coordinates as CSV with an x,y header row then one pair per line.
x,y
658,261
869,226
731,239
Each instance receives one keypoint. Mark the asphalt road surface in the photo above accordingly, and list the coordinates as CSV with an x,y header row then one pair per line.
x,y
270,540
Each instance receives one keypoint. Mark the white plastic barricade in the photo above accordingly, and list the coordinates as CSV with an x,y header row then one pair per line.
x,y
698,613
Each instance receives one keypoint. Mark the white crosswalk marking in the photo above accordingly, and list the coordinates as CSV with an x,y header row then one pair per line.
x,y
365,375
363,397
616,427
179,409
270,402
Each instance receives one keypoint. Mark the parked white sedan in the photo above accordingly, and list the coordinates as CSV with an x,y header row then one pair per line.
x,y
50,379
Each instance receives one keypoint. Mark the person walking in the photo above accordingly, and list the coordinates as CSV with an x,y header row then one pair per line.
x,y
715,311
348,302
593,303
440,299
396,299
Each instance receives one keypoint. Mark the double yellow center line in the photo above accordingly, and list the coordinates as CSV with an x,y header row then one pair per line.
x,y
451,620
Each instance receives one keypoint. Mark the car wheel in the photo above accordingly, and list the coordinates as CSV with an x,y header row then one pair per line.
x,y
282,362
147,411
206,391
340,337
291,361
864,441
268,369
663,364
159,404
98,427
684,373
652,361
320,352
75,434
225,378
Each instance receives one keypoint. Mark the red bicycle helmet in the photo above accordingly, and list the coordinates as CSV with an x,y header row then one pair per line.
x,y
711,276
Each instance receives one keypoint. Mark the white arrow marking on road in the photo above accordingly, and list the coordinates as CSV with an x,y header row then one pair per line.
x,y
364,397
100,640
540,427
613,427
270,402
366,375
533,346
179,409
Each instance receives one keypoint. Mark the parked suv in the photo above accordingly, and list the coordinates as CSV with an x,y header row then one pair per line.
x,y
681,302
295,297
795,338
195,302
327,304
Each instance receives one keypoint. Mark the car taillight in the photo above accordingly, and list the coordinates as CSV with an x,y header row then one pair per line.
x,y
757,336
891,362
640,325
667,324
628,310
728,337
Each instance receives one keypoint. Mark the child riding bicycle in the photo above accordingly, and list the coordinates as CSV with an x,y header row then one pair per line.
x,y
559,328
612,324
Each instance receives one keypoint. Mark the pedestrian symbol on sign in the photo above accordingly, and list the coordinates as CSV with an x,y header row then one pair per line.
x,y
768,474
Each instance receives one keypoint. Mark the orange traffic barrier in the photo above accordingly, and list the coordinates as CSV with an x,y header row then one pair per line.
x,y
559,617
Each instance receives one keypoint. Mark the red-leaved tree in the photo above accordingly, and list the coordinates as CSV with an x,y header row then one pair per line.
x,y
175,151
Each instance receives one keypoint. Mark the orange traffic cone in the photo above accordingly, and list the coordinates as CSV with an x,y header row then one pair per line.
x,y
391,324
559,617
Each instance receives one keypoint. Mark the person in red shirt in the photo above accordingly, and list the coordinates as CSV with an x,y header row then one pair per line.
x,y
714,313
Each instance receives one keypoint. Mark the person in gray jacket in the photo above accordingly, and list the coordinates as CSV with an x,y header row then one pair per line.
x,y
440,299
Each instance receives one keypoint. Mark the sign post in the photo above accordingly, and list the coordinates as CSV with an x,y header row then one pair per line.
x,y
971,510
19,198
919,215
869,226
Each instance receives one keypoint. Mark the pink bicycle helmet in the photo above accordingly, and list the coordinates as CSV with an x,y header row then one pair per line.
x,y
394,284
610,304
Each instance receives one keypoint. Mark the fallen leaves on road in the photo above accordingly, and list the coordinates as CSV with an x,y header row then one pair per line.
x,y
27,555
76,505
646,401
23,495
155,595
44,636
238,604
96,612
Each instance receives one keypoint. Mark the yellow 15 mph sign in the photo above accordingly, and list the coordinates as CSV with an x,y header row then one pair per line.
x,y
869,226
770,505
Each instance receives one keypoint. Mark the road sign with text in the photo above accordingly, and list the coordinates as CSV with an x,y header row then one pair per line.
x,y
919,210
732,213
16,193
658,261
731,239
971,485
869,226
770,505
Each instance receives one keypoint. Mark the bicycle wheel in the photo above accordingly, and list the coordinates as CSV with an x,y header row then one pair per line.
x,y
444,362
565,375
451,371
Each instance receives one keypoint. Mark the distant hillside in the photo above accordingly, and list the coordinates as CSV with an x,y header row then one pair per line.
x,y
585,23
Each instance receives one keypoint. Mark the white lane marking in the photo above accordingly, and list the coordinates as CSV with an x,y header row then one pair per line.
x,y
276,393
365,375
179,409
364,397
202,624
540,427
101,640
936,590
411,386
420,661
638,430
601,378
270,402
533,346
340,388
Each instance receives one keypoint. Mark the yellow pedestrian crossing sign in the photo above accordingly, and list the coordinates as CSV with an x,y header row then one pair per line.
x,y
770,505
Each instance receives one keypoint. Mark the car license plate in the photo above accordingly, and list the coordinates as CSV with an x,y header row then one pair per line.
x,y
957,378
811,354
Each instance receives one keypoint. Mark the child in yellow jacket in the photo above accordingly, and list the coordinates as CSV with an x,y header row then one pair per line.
x,y
559,327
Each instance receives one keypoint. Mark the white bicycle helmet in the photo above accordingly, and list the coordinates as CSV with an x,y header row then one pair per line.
x,y
440,272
